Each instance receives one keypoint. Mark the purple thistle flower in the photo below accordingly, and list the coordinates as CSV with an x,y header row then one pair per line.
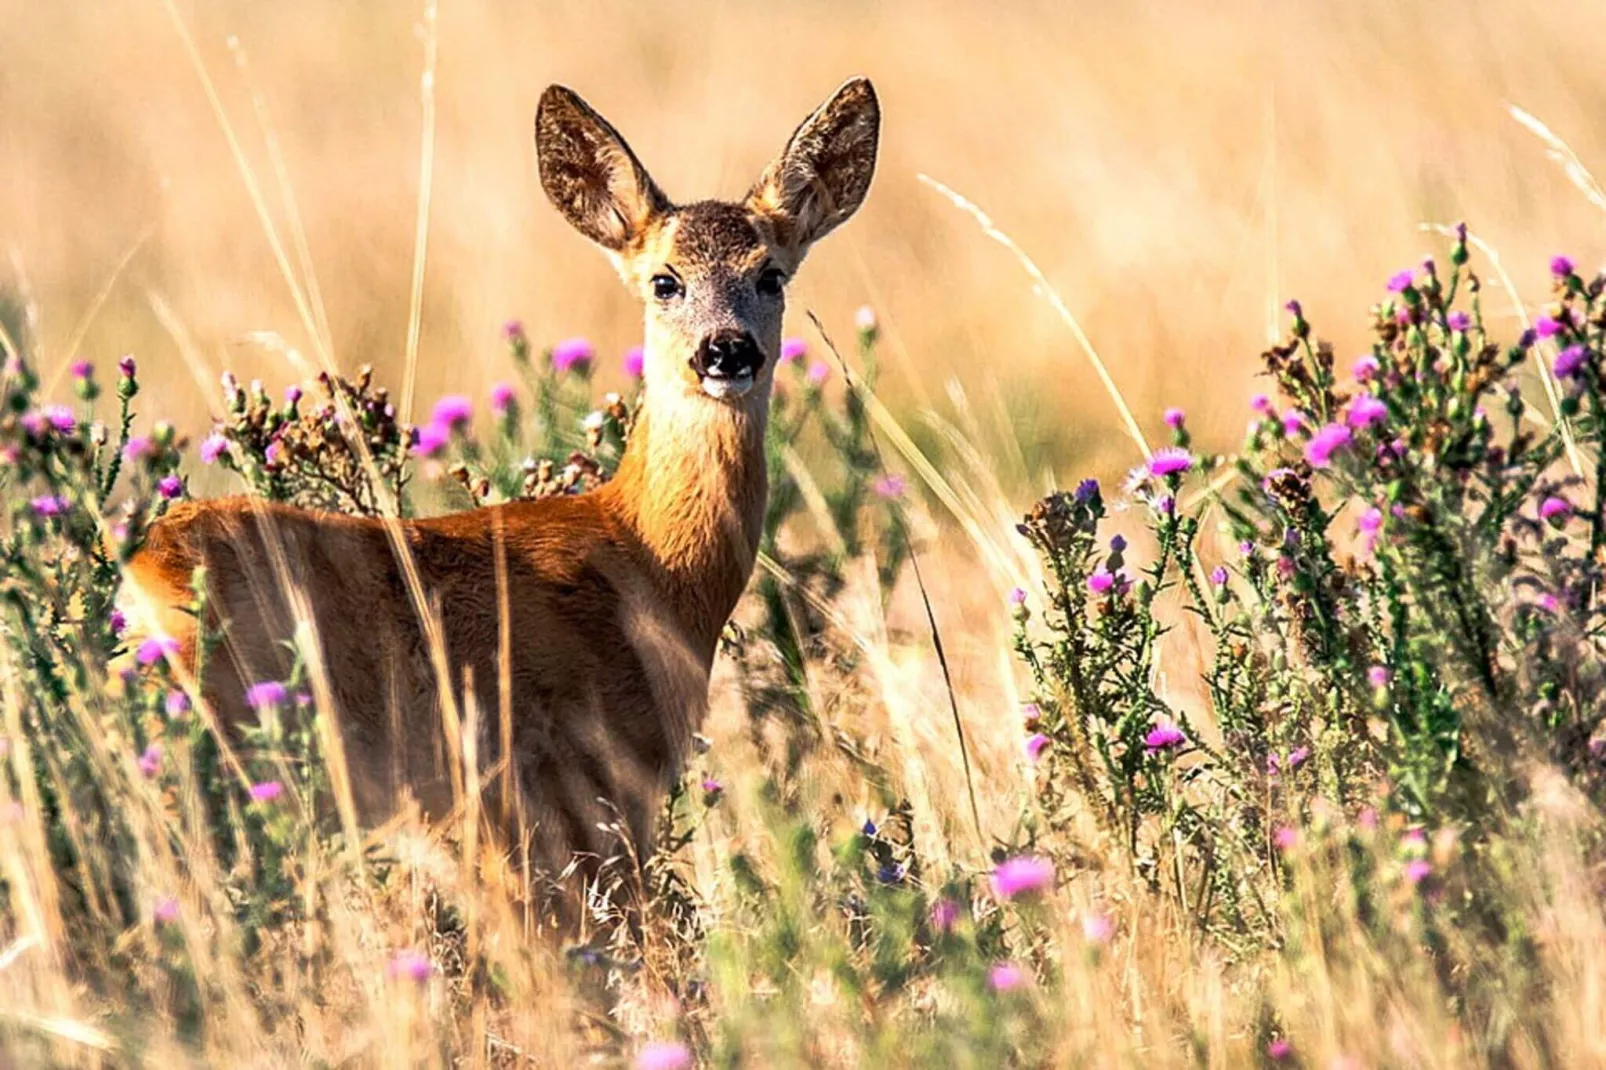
x,y
1293,422
712,786
1218,575
1174,419
1260,403
573,354
1547,327
1164,737
1323,444
1086,491
82,369
1101,581
150,762
33,421
61,418
1170,460
213,447
170,487
1246,548
1401,281
1117,543
137,447
1555,510
49,505
118,621
819,372
177,704
1561,267
1022,875
663,1055
1295,309
266,695
292,395
944,915
430,439
1370,521
635,361
1017,596
1297,757
793,350
1035,744
1418,870
502,398
1005,977
155,649
165,910
1365,410
1030,713
888,486
266,791
513,331
126,365
1379,676
1459,321
1097,927
1571,361
409,965
453,412
1365,368
1278,1050
1285,838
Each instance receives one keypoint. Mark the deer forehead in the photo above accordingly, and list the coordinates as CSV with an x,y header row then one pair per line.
x,y
709,238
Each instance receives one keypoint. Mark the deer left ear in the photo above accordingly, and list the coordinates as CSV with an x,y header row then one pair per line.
x,y
823,174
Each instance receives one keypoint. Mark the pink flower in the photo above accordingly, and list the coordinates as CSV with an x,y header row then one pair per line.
x,y
1218,575
136,448
513,331
573,354
944,915
1278,1050
1555,511
126,365
793,349
1458,321
1170,460
1101,581
1547,327
156,648
1293,422
1260,403
1561,267
1570,361
663,1055
1017,596
1022,875
170,487
82,369
635,361
1297,757
1005,977
150,762
1035,744
888,486
409,965
502,398
1401,281
213,447
1097,927
1365,368
266,791
453,412
1378,676
430,439
266,695
1174,419
1333,438
177,704
61,418
165,910
49,505
819,372
1286,837
1164,737
1418,870
1365,411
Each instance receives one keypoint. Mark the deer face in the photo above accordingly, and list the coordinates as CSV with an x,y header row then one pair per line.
x,y
712,274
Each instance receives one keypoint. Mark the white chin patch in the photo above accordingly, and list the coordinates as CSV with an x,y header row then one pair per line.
x,y
723,387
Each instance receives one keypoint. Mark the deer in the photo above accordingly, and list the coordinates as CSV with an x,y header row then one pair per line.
x,y
592,620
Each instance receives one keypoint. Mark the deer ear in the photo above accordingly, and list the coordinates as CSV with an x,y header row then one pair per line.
x,y
823,174
590,174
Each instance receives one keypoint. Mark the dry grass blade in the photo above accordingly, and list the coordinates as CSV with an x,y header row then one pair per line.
x,y
426,182
1562,153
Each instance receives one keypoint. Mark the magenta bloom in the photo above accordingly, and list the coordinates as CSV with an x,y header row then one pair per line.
x,y
663,1055
1174,419
409,965
1022,875
165,910
429,440
944,915
1170,460
635,361
1005,977
1418,870
1097,927
1561,267
1297,757
1323,444
177,704
170,487
1035,744
793,349
49,505
573,354
1546,327
1278,1050
213,447
1401,281
292,394
118,621
1365,411
82,369
1017,596
156,648
1555,510
1218,575
888,486
819,372
61,418
266,791
126,365
265,695
712,786
512,331
1378,676
1459,321
1293,422
1260,403
1571,361
1164,737
150,762
1370,521
137,447
1365,368
502,398
1101,581
1286,837
454,412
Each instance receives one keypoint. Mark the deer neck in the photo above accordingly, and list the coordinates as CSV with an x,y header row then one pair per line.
x,y
691,487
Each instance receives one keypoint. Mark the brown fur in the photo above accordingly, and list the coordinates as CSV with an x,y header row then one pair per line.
x,y
616,598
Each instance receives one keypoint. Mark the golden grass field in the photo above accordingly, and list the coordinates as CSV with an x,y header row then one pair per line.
x,y
1177,172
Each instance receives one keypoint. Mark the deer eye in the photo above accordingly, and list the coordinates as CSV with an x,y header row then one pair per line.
x,y
771,281
665,287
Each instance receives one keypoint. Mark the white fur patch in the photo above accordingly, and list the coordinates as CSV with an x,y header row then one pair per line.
x,y
727,388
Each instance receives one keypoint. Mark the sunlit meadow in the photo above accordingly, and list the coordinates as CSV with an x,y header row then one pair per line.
x,y
1130,676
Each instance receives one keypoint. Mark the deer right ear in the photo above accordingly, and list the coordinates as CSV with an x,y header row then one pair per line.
x,y
590,174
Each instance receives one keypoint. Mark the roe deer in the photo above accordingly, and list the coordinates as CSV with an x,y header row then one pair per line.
x,y
615,599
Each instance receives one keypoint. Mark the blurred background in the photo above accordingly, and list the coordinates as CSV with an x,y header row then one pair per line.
x,y
1178,172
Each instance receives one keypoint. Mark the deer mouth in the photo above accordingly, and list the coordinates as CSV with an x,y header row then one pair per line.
x,y
727,364
720,386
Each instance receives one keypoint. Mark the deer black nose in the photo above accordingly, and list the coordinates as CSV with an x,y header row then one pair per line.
x,y
729,355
